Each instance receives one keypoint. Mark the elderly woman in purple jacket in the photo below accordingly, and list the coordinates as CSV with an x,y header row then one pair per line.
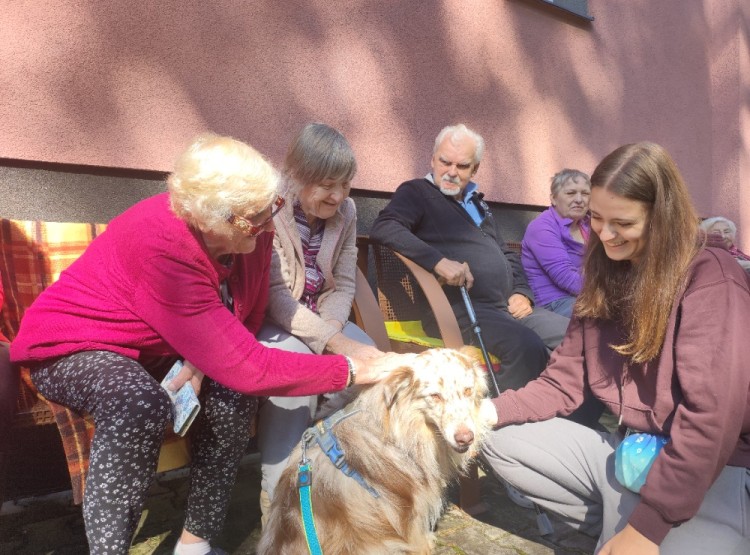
x,y
554,243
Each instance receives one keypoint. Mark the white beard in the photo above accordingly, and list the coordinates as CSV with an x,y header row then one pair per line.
x,y
449,188
449,192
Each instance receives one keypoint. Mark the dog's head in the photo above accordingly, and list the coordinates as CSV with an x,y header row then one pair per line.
x,y
448,389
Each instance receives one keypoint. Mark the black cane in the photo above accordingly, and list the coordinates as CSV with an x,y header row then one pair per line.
x,y
478,334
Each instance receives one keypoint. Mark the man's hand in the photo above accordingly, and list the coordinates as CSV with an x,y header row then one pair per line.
x,y
629,541
190,373
451,272
519,306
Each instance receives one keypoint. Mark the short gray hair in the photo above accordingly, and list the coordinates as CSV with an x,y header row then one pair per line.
x,y
458,131
708,223
563,176
316,153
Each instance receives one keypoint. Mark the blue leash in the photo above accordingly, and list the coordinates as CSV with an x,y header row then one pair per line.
x,y
304,483
323,435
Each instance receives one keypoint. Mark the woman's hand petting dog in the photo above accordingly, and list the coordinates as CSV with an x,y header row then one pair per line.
x,y
373,370
340,344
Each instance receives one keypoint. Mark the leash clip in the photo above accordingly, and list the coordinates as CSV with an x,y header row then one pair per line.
x,y
304,476
307,437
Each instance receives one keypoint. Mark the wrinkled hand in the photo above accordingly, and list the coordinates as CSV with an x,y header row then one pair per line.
x,y
629,541
519,306
488,413
187,373
451,272
376,369
340,344
336,324
367,352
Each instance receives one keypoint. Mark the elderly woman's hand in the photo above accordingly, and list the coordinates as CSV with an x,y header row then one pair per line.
x,y
336,324
339,344
367,352
187,373
376,369
519,306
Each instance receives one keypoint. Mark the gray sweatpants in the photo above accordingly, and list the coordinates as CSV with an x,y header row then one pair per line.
x,y
282,420
568,469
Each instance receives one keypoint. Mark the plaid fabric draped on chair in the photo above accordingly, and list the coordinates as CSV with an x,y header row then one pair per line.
x,y
33,254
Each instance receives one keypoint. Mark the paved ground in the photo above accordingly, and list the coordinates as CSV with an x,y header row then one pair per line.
x,y
56,527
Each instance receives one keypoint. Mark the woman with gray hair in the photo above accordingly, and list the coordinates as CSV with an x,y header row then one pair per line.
x,y
554,243
723,231
313,272
183,274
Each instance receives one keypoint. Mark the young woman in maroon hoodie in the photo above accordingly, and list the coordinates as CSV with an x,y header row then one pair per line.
x,y
658,334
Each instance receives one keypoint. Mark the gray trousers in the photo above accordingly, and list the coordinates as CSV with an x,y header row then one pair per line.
x,y
568,469
282,420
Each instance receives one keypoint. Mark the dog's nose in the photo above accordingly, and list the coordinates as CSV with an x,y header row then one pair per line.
x,y
464,437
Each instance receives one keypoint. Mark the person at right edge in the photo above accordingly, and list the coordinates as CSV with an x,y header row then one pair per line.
x,y
658,334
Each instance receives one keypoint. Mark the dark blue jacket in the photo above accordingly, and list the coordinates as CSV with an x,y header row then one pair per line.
x,y
425,225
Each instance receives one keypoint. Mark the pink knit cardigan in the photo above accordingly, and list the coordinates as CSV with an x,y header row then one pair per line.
x,y
148,287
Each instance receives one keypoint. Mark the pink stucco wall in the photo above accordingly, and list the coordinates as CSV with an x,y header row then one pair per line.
x,y
127,84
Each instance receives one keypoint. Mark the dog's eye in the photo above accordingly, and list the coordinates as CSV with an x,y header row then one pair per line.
x,y
436,397
468,392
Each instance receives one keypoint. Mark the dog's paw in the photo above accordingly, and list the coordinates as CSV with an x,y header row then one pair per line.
x,y
488,413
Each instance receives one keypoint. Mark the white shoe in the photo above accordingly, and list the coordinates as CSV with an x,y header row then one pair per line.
x,y
517,497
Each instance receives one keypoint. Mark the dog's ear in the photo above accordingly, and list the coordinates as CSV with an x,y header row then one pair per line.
x,y
396,384
475,354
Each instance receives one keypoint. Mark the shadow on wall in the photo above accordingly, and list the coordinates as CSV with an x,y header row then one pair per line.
x,y
60,195
30,193
546,89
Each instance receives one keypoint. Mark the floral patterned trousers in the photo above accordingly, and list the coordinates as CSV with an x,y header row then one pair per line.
x,y
131,411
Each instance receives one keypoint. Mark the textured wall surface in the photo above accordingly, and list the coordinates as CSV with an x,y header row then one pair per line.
x,y
128,84
72,196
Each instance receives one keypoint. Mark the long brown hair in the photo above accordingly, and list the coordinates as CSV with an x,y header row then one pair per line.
x,y
641,295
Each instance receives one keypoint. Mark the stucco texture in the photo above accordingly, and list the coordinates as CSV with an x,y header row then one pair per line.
x,y
128,84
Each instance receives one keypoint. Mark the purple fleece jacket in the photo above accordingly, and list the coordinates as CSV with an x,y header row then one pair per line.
x,y
551,258
695,390
148,287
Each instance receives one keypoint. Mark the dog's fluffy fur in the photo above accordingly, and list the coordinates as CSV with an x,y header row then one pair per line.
x,y
413,434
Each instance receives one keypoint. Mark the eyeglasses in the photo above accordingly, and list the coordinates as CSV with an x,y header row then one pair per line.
x,y
249,228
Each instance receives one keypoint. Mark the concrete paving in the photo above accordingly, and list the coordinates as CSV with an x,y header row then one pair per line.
x,y
55,526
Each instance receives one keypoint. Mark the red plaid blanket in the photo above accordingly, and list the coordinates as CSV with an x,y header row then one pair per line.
x,y
33,254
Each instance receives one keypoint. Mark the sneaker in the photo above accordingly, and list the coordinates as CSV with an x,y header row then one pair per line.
x,y
517,497
214,551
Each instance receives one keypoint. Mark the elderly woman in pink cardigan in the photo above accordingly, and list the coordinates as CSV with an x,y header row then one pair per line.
x,y
312,283
184,274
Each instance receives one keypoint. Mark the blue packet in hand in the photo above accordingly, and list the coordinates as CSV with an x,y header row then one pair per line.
x,y
185,404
